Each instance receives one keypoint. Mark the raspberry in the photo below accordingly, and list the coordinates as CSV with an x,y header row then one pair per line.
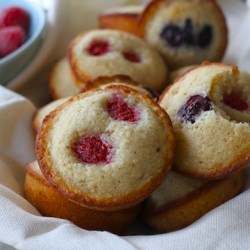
x,y
118,109
98,48
11,38
194,107
13,16
132,56
235,101
93,149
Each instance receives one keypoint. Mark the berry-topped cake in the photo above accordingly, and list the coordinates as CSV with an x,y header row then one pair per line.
x,y
109,52
106,149
210,110
185,32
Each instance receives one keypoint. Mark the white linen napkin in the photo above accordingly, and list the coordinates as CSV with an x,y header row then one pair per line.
x,y
22,227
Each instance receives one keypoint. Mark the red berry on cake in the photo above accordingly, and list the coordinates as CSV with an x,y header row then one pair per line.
x,y
106,53
98,48
132,56
93,149
235,101
118,109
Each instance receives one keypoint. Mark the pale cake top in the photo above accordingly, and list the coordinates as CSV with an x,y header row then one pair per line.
x,y
62,82
137,145
213,135
174,188
44,111
110,52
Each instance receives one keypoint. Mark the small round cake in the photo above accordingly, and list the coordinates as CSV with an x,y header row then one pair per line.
x,y
185,32
110,52
44,111
106,149
209,107
121,18
50,202
62,82
179,201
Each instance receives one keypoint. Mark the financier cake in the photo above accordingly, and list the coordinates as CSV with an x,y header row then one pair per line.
x,y
50,202
180,200
209,107
62,82
110,52
185,32
106,149
121,18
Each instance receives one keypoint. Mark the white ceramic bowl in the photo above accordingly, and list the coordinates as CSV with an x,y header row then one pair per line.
x,y
17,61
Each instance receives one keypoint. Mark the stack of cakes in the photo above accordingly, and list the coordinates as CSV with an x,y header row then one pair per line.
x,y
101,152
108,150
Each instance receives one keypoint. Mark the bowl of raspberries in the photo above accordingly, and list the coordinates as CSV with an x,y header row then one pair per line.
x,y
22,30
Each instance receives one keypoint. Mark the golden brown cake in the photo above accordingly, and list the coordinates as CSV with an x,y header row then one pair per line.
x,y
122,18
50,202
210,110
180,200
106,149
62,82
185,32
44,111
110,52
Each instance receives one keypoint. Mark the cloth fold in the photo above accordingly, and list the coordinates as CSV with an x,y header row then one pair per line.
x,y
22,227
